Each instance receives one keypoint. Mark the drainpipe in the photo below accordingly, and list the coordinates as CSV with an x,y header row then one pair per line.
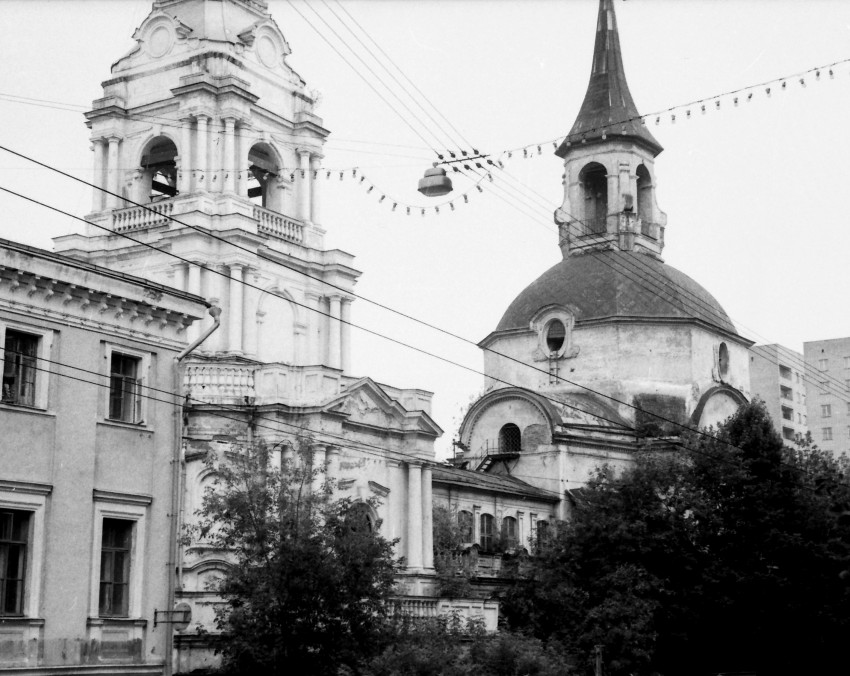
x,y
178,478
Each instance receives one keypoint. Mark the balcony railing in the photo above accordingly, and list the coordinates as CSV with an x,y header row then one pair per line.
x,y
213,382
277,225
138,218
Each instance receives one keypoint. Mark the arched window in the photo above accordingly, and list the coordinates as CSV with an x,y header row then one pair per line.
x,y
556,333
464,524
487,541
510,538
723,360
159,170
594,185
644,200
510,439
359,518
263,170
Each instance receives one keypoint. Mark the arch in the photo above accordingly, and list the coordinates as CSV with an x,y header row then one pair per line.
x,y
277,317
510,439
717,404
544,407
361,517
644,200
158,167
510,533
264,166
593,179
487,537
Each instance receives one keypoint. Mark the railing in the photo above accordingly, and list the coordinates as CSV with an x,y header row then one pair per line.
x,y
215,381
138,218
418,607
277,225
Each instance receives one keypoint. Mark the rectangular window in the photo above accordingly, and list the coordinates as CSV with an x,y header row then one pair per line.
x,y
827,434
825,410
14,532
487,532
823,364
464,522
125,400
847,362
786,393
19,368
115,568
784,372
787,413
788,433
824,387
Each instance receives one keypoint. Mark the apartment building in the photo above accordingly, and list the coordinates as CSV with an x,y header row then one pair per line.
x,y
829,405
778,377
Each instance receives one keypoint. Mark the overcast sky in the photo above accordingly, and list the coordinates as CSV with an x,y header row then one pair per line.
x,y
754,194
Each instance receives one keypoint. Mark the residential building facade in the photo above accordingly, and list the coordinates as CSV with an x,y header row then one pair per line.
x,y
778,376
828,362
89,420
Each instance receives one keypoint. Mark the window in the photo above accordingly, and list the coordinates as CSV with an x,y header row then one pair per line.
x,y
19,368
487,540
788,433
799,419
542,533
464,523
847,384
848,408
14,535
510,439
556,332
125,400
827,434
723,360
115,568
824,387
359,518
787,413
826,410
785,372
510,538
786,393
847,362
823,364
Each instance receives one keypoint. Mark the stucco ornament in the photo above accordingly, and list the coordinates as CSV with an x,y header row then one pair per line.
x,y
554,328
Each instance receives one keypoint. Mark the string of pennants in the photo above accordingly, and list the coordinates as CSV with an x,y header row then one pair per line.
x,y
685,111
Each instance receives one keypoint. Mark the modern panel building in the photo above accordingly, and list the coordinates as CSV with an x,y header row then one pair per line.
x,y
829,400
778,377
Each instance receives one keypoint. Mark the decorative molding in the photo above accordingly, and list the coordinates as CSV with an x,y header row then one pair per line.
x,y
28,487
121,498
382,491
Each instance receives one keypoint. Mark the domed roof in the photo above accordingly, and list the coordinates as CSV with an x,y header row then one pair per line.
x,y
611,284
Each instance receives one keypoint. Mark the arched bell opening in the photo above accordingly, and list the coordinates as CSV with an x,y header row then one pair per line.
x,y
510,439
263,171
644,200
159,170
594,187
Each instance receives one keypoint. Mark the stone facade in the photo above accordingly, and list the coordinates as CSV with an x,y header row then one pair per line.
x,y
87,460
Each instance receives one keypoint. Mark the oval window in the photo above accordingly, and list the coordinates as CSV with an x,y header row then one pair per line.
x,y
556,333
723,359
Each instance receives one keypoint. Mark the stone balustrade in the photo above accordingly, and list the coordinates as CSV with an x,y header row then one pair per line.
x,y
139,218
216,382
279,226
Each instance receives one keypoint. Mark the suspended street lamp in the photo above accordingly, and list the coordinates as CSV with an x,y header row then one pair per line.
x,y
435,183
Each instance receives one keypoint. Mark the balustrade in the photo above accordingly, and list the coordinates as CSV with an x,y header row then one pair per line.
x,y
210,382
138,218
277,225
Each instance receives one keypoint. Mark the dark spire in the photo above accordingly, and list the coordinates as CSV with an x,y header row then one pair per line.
x,y
608,105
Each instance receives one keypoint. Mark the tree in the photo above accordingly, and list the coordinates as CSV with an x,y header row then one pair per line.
x,y
725,555
309,586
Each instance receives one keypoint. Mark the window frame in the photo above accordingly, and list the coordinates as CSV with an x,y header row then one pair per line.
x,y
487,537
124,508
827,433
143,383
45,338
22,496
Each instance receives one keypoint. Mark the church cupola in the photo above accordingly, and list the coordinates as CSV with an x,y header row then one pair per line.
x,y
609,178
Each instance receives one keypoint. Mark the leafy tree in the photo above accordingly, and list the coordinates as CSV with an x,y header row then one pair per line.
x,y
452,567
310,581
725,555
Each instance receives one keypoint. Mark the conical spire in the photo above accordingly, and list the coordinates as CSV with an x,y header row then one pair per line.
x,y
608,105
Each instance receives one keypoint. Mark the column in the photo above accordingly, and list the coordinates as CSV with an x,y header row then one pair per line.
x,y
520,529
184,173
414,515
315,202
427,519
319,470
201,140
234,322
614,205
240,161
332,461
345,335
334,332
216,284
113,201
193,285
252,297
304,186
97,178
313,352
229,159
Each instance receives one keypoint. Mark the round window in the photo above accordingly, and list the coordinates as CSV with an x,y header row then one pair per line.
x,y
723,359
556,333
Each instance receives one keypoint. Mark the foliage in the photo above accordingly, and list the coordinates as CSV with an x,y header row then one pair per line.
x,y
453,574
449,646
723,556
308,588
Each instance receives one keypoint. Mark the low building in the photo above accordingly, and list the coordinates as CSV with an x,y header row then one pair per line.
x,y
778,377
828,362
87,462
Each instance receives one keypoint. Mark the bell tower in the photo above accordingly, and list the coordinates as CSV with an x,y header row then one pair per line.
x,y
609,175
204,137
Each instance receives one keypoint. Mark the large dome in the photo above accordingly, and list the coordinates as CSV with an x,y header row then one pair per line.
x,y
611,284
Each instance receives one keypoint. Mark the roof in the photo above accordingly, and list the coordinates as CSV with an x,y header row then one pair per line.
x,y
616,284
608,107
490,482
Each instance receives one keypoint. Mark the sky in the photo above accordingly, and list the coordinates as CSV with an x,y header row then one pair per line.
x,y
753,193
